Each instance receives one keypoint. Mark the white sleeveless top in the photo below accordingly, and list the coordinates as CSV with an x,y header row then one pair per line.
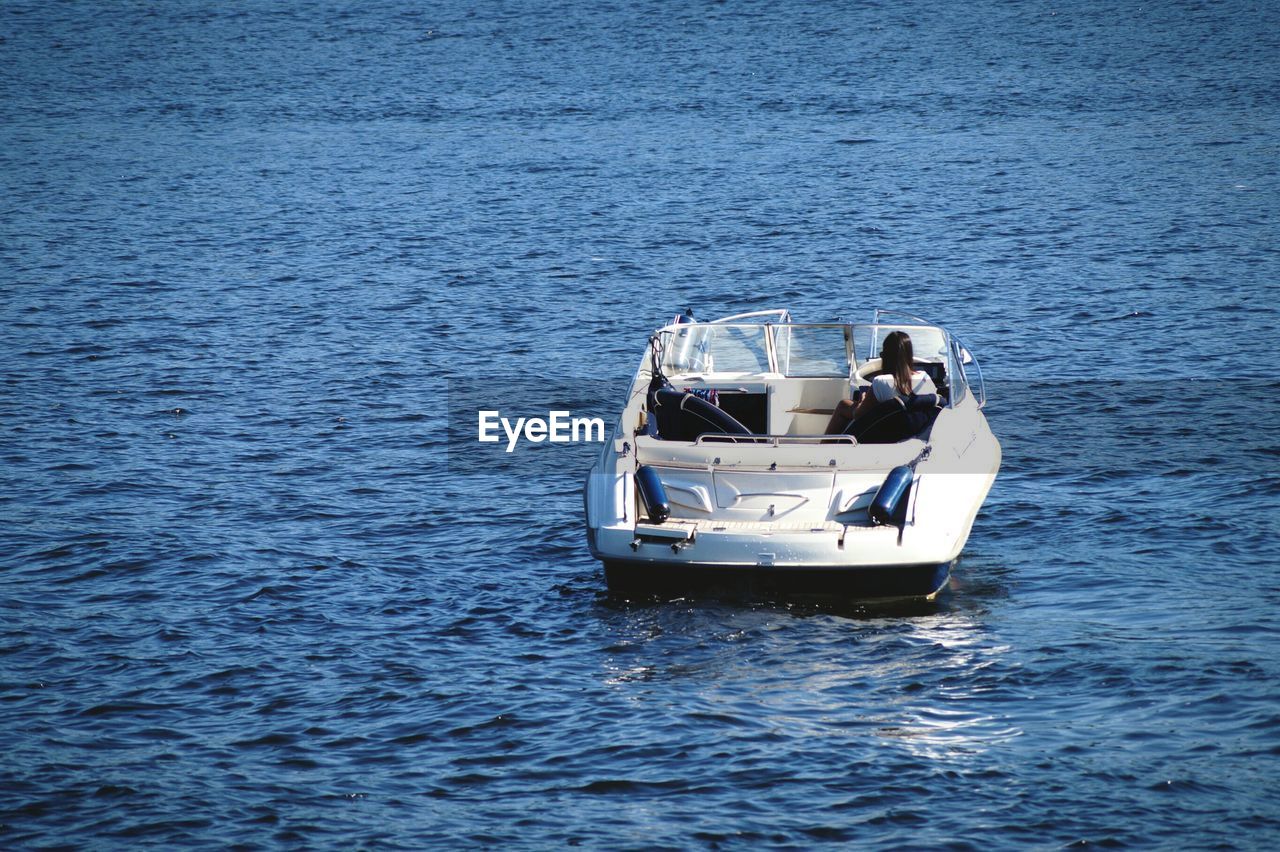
x,y
884,389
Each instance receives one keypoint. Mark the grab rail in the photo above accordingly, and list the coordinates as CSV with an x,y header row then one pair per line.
x,y
773,440
879,312
777,312
981,395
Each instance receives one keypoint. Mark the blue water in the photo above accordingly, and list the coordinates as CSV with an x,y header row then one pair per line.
x,y
246,249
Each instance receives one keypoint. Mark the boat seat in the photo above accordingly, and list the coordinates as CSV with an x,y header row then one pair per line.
x,y
923,409
681,416
893,420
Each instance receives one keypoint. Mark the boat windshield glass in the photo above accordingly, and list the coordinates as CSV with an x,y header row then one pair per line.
x,y
928,342
813,350
715,347
801,350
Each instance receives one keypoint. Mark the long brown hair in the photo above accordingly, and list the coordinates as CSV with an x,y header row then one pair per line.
x,y
896,359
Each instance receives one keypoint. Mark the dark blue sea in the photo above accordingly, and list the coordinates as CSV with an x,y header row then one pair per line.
x,y
250,597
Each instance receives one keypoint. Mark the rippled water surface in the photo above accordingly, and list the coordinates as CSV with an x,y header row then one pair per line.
x,y
247,248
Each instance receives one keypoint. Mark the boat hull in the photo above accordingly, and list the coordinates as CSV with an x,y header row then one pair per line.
x,y
640,577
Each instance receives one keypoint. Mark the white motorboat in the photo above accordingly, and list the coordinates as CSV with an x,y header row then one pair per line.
x,y
719,473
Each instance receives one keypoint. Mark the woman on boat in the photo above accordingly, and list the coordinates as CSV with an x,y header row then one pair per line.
x,y
897,379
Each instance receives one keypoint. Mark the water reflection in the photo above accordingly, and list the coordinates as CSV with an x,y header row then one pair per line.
x,y
953,704
927,678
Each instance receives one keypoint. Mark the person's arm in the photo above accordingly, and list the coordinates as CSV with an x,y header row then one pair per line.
x,y
865,404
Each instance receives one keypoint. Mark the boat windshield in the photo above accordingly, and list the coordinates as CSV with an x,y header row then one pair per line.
x,y
812,350
743,350
716,348
928,342
801,350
